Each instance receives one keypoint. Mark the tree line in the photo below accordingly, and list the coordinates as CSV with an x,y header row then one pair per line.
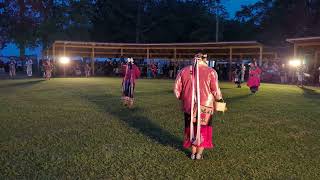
x,y
28,23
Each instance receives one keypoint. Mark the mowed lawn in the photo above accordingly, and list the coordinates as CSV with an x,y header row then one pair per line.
x,y
76,128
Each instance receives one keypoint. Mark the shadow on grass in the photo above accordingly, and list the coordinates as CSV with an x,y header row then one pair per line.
x,y
237,98
135,119
310,93
22,84
154,93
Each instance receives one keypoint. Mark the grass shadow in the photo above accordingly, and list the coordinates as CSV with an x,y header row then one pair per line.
x,y
237,98
135,119
154,93
22,84
310,93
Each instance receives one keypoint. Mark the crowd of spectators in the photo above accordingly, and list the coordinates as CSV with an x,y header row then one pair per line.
x,y
282,72
272,71
20,64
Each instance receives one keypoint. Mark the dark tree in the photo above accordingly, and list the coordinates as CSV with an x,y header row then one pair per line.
x,y
276,20
20,23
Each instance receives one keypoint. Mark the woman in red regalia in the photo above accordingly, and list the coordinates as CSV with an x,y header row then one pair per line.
x,y
254,78
198,89
132,72
48,67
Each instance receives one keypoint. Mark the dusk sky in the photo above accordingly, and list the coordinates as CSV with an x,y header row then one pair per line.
x,y
231,5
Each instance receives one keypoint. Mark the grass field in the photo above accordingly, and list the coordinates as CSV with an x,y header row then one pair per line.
x,y
77,128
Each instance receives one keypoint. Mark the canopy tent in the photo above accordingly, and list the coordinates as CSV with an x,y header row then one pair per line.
x,y
306,46
173,51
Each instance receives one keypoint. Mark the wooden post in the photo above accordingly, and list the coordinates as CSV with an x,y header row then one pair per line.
x,y
295,50
121,52
53,52
175,54
148,54
64,55
64,49
230,64
92,61
261,56
316,59
53,58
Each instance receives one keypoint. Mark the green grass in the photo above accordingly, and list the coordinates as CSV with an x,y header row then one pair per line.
x,y
77,128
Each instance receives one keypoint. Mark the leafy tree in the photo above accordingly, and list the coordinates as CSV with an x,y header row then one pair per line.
x,y
275,20
3,24
20,23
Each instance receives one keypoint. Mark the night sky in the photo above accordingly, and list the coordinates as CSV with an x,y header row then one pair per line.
x,y
231,5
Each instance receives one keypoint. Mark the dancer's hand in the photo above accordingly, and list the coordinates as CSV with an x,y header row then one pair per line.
x,y
220,100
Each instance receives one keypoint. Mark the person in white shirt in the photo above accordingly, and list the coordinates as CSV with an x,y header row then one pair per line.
x,y
12,68
29,67
243,72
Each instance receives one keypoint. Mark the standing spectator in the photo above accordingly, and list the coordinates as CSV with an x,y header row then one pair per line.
x,y
283,74
175,69
292,75
153,70
77,70
171,69
29,64
116,69
110,68
12,68
225,71
237,76
243,72
87,70
275,72
2,67
159,69
149,71
300,74
48,67
165,70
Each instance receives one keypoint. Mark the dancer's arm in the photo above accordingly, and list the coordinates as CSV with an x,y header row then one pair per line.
x,y
178,86
214,86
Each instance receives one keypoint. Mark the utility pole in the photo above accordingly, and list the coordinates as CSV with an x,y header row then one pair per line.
x,y
217,19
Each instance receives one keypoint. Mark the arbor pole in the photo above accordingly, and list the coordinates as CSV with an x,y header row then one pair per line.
x,y
64,55
53,57
260,55
92,61
217,20
230,63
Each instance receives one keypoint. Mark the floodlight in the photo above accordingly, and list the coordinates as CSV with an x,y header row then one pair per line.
x,y
64,60
295,62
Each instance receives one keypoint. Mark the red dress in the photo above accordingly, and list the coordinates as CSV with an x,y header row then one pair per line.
x,y
209,93
254,77
128,83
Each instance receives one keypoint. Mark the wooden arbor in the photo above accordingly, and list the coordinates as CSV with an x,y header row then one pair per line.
x,y
306,46
172,51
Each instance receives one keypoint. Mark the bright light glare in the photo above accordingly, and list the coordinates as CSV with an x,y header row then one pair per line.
x,y
295,62
64,60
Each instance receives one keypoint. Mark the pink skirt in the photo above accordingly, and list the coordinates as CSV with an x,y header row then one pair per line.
x,y
253,81
205,134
